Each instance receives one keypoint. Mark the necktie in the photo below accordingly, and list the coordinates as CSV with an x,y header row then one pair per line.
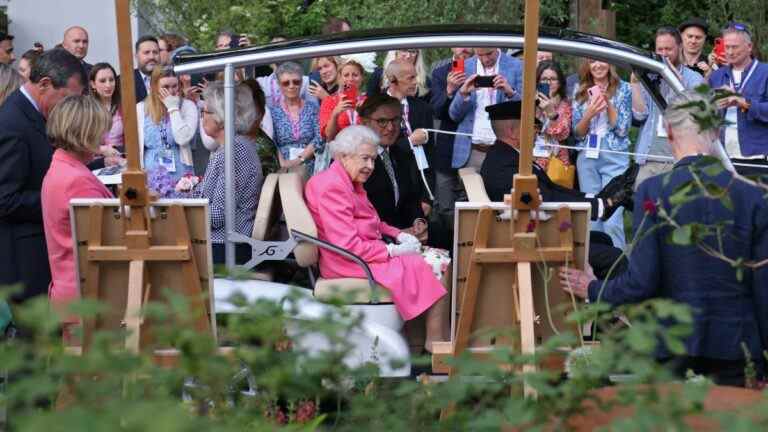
x,y
390,169
146,83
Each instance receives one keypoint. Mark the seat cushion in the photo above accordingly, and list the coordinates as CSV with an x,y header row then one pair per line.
x,y
349,290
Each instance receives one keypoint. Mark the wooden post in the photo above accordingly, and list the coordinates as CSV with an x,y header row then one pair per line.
x,y
527,133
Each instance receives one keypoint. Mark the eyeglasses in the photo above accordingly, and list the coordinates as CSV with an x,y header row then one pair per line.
x,y
286,83
733,25
412,52
548,80
383,122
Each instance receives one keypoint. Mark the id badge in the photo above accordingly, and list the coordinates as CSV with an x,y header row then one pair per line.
x,y
421,157
593,146
661,131
294,152
168,160
540,148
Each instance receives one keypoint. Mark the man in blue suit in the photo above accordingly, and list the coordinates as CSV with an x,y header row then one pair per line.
x,y
503,77
444,86
728,308
25,155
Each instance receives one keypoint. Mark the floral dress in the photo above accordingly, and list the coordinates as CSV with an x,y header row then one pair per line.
x,y
294,134
161,151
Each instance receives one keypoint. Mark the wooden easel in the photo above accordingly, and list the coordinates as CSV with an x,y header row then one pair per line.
x,y
523,201
138,250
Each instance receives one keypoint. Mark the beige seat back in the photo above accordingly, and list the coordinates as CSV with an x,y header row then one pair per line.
x,y
297,216
268,210
473,184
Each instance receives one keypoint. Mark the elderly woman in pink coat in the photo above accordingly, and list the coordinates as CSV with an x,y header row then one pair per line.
x,y
344,216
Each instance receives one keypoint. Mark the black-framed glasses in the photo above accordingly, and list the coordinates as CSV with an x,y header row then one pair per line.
x,y
548,80
383,122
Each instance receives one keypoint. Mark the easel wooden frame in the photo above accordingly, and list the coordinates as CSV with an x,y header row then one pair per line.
x,y
180,228
523,201
479,243
137,248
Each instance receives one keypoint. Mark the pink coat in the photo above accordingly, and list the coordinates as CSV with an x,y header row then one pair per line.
x,y
346,218
66,178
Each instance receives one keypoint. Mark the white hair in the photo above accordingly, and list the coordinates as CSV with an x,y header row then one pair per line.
x,y
421,72
745,35
681,117
245,108
351,138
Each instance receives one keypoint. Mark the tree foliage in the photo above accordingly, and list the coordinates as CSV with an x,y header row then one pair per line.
x,y
637,20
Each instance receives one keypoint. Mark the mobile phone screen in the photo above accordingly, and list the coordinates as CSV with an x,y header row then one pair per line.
x,y
543,88
484,81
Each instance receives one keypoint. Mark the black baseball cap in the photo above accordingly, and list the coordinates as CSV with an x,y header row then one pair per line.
x,y
694,22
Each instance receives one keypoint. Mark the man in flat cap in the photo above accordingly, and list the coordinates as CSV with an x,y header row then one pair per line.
x,y
694,33
501,165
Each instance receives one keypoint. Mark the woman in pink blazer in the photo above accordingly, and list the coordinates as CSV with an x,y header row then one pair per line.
x,y
345,217
76,126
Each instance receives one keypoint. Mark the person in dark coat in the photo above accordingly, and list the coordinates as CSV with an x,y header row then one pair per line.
x,y
729,309
502,162
445,84
395,188
147,58
25,155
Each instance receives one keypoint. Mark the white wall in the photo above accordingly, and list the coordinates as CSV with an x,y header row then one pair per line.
x,y
45,21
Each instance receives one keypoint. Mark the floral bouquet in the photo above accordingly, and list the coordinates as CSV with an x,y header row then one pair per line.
x,y
164,185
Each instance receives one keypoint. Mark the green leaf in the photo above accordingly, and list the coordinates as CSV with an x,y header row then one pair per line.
x,y
682,235
680,196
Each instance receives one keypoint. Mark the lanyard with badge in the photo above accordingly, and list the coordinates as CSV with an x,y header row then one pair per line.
x,y
595,139
737,86
167,155
418,151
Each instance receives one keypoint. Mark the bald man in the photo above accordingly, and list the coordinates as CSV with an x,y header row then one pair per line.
x,y
76,41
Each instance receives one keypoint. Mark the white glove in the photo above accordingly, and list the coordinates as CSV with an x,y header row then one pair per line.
x,y
403,249
172,102
405,238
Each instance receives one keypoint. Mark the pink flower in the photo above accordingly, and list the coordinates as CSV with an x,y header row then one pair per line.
x,y
565,226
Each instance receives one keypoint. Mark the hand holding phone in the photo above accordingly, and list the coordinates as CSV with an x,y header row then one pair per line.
x,y
719,51
595,92
484,81
457,65
350,93
543,88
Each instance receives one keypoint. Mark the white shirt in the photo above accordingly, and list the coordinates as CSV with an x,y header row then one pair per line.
x,y
732,130
29,97
482,131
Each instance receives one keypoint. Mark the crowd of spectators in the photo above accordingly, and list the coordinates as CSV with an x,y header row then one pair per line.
x,y
357,132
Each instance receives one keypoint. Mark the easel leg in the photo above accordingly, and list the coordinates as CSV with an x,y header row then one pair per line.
x,y
527,336
136,275
469,296
192,288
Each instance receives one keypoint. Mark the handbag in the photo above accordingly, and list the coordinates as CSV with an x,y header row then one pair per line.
x,y
559,173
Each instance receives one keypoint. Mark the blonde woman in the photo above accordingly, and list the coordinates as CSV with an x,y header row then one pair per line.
x,y
10,81
379,82
76,126
167,124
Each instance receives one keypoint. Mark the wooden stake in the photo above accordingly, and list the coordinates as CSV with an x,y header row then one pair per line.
x,y
529,86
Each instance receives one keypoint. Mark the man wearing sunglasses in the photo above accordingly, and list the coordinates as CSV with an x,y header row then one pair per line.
x,y
6,49
744,105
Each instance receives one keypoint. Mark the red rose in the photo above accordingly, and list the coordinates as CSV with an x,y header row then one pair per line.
x,y
649,207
